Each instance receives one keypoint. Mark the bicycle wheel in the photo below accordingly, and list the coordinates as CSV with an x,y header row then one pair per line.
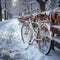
x,y
26,33
45,43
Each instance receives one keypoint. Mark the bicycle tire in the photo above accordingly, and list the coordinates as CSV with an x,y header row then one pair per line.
x,y
49,48
48,51
23,38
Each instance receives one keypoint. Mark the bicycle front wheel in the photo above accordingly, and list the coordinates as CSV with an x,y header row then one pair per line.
x,y
25,33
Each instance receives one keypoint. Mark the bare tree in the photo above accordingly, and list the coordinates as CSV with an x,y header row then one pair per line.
x,y
42,4
0,12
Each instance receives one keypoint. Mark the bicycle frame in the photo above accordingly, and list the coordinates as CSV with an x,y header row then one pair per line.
x,y
33,33
42,36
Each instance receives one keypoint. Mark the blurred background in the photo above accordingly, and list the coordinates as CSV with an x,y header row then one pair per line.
x,y
14,8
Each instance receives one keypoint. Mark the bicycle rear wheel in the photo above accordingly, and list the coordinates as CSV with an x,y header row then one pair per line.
x,y
45,43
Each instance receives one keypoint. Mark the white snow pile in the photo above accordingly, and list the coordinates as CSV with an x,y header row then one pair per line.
x,y
9,45
12,47
10,40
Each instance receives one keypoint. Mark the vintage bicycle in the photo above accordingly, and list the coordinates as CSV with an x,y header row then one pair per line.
x,y
36,31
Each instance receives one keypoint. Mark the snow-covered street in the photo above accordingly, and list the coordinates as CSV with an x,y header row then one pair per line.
x,y
12,47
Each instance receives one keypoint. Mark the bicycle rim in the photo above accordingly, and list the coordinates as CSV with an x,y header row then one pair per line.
x,y
25,33
45,43
45,46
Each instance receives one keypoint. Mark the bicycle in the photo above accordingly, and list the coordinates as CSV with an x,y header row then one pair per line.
x,y
43,40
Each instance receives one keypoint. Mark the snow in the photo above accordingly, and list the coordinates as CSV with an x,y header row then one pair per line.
x,y
11,44
57,39
56,26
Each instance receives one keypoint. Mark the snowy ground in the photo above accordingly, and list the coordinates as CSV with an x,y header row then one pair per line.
x,y
11,44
